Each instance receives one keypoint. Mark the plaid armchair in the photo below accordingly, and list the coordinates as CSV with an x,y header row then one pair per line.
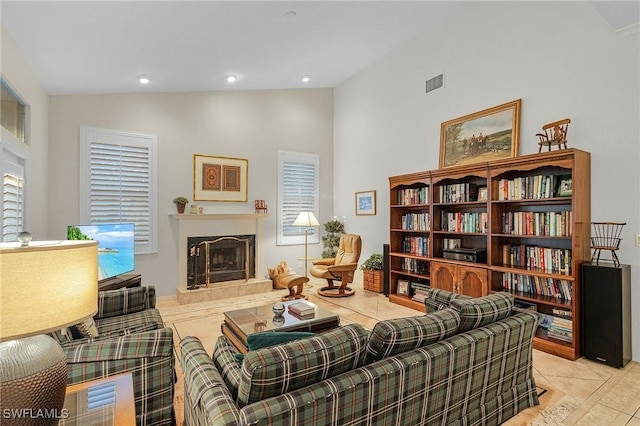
x,y
131,338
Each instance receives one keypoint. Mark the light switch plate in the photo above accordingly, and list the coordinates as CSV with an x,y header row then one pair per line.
x,y
637,240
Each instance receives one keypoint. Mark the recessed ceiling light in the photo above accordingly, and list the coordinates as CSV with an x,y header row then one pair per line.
x,y
143,79
231,78
306,78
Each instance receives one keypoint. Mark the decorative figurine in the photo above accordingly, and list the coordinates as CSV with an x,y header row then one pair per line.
x,y
554,134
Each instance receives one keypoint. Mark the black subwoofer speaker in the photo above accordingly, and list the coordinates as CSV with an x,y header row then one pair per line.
x,y
385,269
606,313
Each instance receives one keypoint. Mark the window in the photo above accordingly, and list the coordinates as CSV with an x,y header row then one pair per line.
x,y
13,113
12,197
297,191
118,182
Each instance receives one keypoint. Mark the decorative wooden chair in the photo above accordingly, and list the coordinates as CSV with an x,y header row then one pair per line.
x,y
554,134
340,268
261,206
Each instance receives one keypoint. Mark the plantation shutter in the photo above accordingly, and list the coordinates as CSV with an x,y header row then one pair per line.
x,y
12,201
121,184
298,191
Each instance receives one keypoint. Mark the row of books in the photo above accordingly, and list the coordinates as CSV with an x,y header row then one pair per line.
x,y
416,222
415,266
464,221
418,246
458,193
561,328
529,187
533,284
555,261
412,196
553,224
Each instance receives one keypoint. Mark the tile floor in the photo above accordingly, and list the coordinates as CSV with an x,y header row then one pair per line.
x,y
579,392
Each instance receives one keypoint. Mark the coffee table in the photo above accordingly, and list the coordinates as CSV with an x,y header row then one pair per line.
x,y
238,324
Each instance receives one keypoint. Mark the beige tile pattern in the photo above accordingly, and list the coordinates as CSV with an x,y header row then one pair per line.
x,y
579,392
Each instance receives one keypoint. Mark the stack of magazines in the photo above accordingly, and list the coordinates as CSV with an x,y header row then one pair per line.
x,y
302,310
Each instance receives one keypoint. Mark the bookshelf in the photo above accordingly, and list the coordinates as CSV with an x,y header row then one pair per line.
x,y
531,214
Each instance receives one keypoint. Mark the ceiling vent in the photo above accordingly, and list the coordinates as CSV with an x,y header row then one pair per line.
x,y
435,83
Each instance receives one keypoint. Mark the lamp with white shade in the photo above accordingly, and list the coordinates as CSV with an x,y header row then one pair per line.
x,y
44,287
306,219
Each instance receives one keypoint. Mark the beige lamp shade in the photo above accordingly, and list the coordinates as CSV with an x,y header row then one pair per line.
x,y
46,286
306,219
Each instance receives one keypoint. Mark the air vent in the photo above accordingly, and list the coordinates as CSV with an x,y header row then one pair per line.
x,y
435,83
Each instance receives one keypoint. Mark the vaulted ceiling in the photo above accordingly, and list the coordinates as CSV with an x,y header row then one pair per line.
x,y
80,47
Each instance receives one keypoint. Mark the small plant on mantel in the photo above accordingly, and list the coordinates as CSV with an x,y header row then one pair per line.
x,y
372,273
180,203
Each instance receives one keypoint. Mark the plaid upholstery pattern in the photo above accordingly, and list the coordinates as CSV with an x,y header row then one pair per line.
x,y
207,400
279,369
122,322
125,301
147,356
477,312
395,336
440,299
481,377
227,364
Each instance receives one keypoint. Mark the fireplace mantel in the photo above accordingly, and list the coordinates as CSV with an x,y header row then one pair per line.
x,y
194,225
214,216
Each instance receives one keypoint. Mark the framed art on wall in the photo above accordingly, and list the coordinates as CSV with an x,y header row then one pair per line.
x,y
219,178
485,135
365,203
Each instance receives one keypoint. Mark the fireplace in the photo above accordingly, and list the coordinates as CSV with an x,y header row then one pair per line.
x,y
216,259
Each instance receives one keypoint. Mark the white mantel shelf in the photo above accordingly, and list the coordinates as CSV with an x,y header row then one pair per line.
x,y
222,216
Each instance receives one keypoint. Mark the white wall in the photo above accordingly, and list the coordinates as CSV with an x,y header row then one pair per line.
x,y
17,73
561,58
250,124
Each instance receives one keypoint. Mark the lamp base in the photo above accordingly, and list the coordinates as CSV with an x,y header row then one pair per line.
x,y
33,380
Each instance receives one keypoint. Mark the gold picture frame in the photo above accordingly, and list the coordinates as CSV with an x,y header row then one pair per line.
x,y
220,178
366,203
485,135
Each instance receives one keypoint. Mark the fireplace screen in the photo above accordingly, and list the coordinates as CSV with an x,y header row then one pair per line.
x,y
220,258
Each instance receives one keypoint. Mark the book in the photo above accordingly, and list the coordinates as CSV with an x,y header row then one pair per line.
x,y
303,317
302,309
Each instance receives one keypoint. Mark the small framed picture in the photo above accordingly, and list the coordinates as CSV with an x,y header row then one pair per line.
x,y
482,193
403,287
566,187
366,203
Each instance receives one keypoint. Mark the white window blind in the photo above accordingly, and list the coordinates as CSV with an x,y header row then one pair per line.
x,y
12,200
297,192
120,182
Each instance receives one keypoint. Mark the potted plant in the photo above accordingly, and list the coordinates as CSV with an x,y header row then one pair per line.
x,y
372,273
180,203
331,241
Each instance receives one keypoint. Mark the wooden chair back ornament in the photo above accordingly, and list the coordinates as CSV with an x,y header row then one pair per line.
x,y
554,134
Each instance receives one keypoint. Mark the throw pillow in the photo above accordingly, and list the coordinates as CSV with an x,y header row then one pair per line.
x,y
481,311
396,336
276,370
86,328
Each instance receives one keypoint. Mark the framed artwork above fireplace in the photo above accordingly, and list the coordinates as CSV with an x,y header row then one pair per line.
x,y
220,178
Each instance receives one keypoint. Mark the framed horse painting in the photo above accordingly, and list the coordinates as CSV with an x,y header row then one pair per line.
x,y
485,135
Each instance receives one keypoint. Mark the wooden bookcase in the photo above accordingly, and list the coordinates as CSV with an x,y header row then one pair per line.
x,y
535,239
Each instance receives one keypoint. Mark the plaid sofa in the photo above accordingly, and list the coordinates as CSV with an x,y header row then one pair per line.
x,y
131,338
469,363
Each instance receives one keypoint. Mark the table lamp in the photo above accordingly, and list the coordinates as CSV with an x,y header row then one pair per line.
x,y
306,219
44,286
